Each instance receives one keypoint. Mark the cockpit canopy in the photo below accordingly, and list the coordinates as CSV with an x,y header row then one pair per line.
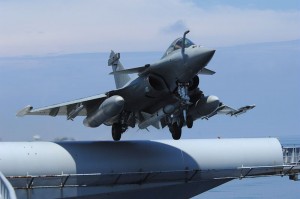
x,y
177,44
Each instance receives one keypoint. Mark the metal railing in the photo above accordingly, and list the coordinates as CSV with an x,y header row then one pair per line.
x,y
291,158
6,189
291,155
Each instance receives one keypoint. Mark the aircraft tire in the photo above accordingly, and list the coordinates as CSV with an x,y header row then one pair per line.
x,y
176,131
116,131
189,122
181,122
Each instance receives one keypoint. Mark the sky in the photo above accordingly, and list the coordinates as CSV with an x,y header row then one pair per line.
x,y
56,51
35,36
68,26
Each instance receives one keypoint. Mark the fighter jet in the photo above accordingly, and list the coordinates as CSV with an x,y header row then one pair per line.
x,y
164,94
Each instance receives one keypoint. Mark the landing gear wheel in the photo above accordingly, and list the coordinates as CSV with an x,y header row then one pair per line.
x,y
116,131
189,122
176,131
181,122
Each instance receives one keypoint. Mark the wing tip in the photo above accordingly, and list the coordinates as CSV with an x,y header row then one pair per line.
x,y
24,111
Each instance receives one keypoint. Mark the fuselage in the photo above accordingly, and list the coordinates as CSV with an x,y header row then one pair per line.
x,y
162,77
165,94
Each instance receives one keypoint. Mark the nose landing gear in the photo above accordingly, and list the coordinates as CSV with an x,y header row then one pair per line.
x,y
176,123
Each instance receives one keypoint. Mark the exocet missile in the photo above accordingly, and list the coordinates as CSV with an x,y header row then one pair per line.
x,y
111,107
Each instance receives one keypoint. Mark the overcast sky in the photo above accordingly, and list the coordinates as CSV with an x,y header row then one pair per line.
x,y
66,26
58,27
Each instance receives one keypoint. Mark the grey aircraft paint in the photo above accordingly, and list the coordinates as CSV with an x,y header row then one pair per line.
x,y
170,82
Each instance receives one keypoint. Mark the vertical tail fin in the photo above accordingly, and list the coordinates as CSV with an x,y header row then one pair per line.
x,y
114,61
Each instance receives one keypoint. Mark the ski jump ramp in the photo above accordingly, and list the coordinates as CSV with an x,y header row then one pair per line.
x,y
138,169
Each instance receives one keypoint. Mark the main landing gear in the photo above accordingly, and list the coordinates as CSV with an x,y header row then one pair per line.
x,y
175,130
189,122
117,130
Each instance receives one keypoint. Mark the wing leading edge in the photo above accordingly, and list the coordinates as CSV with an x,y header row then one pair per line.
x,y
70,109
224,109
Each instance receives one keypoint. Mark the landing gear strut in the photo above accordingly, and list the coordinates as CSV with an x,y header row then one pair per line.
x,y
182,90
185,99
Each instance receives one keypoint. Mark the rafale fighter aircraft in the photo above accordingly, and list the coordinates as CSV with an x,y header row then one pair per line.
x,y
165,93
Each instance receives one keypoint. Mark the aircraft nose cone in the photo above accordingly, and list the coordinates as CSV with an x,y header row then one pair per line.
x,y
208,54
203,56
